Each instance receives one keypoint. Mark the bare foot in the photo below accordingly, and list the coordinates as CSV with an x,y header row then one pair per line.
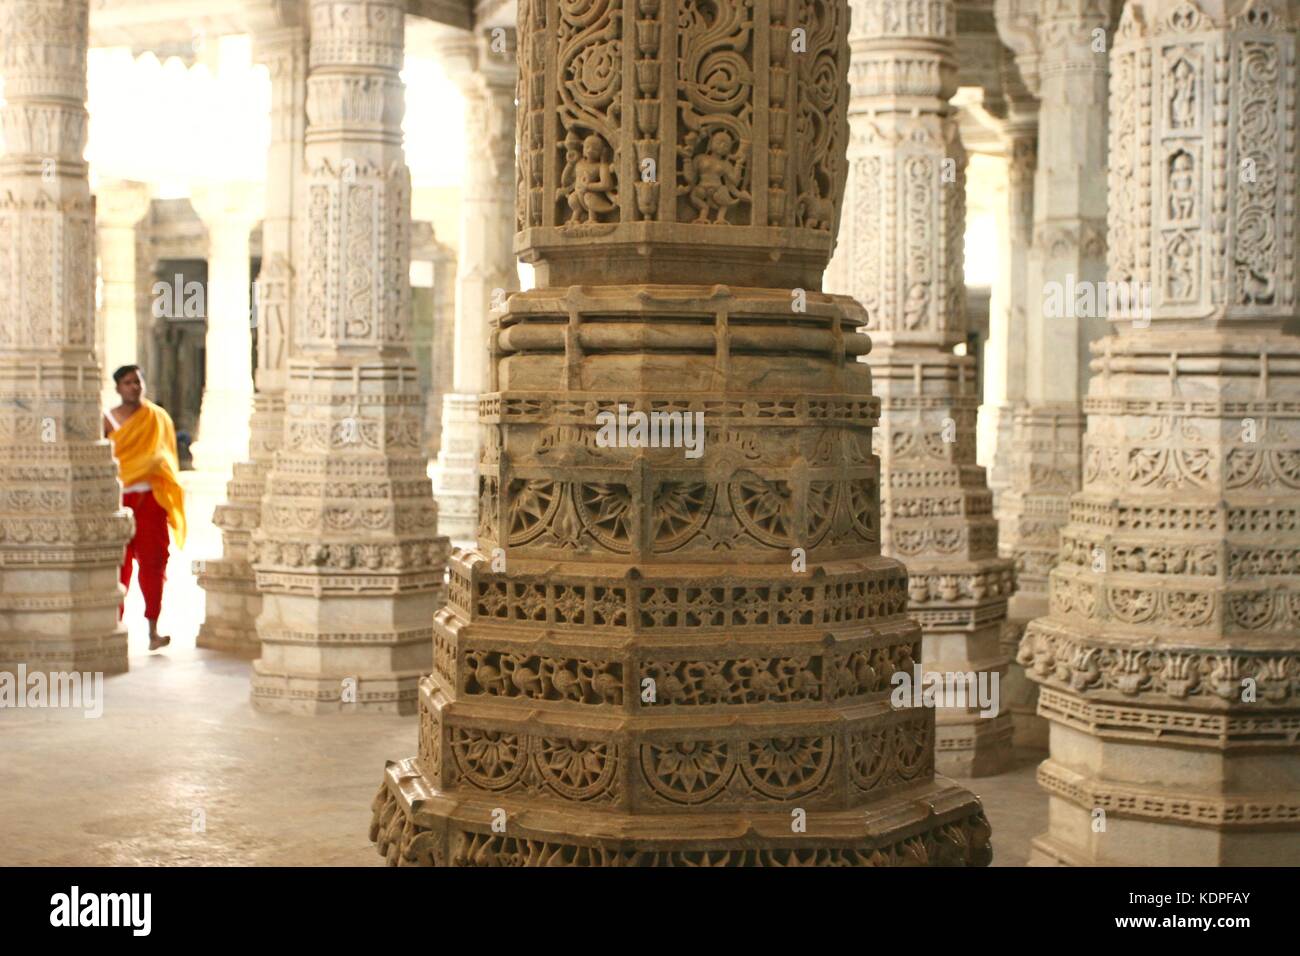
x,y
158,640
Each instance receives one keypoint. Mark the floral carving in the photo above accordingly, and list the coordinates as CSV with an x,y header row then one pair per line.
x,y
689,771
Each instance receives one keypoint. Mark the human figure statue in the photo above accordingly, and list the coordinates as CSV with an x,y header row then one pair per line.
x,y
1181,269
1182,106
1182,189
715,178
587,181
144,443
916,308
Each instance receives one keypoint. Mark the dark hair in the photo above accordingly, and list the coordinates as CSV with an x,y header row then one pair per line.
x,y
123,372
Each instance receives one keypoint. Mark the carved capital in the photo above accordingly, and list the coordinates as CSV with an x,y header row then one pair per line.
x,y
650,137
1203,158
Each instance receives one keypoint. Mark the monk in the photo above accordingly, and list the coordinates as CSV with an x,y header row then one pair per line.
x,y
144,443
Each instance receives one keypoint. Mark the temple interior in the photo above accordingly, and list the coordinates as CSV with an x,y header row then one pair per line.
x,y
655,432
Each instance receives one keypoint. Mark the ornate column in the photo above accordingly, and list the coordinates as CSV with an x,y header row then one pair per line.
x,y
346,558
119,206
485,266
62,529
229,211
442,261
677,654
233,603
1009,383
905,252
1061,48
1167,664
1004,355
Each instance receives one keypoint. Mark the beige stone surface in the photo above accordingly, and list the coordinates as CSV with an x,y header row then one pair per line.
x,y
677,654
1062,58
484,64
233,601
346,554
1167,661
904,227
62,529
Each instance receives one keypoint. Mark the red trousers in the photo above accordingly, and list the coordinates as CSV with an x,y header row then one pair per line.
x,y
148,549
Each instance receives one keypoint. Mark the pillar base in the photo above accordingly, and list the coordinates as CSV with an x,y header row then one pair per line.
x,y
233,604
1146,764
104,654
1044,851
1130,842
968,745
934,824
58,621
1029,731
276,693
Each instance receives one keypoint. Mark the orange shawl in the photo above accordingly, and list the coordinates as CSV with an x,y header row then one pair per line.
x,y
145,447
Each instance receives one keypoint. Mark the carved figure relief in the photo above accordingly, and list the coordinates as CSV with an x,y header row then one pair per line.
x,y
1183,96
713,177
681,568
1182,188
588,182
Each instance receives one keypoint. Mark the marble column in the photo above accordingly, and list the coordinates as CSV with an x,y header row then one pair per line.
x,y
485,269
1167,663
1004,362
229,211
119,206
1007,396
904,238
233,603
1005,400
347,561
442,261
678,654
1062,49
62,528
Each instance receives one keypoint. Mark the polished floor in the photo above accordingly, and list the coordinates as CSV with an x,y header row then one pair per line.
x,y
179,770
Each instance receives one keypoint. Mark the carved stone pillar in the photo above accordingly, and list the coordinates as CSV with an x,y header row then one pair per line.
x,y
119,206
632,670
442,261
1167,664
229,211
233,603
1004,355
1009,385
1061,47
485,265
346,558
62,529
905,237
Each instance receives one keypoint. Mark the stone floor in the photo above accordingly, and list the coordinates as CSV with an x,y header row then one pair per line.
x,y
180,770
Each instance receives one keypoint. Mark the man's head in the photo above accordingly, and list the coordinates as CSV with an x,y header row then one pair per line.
x,y
130,384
